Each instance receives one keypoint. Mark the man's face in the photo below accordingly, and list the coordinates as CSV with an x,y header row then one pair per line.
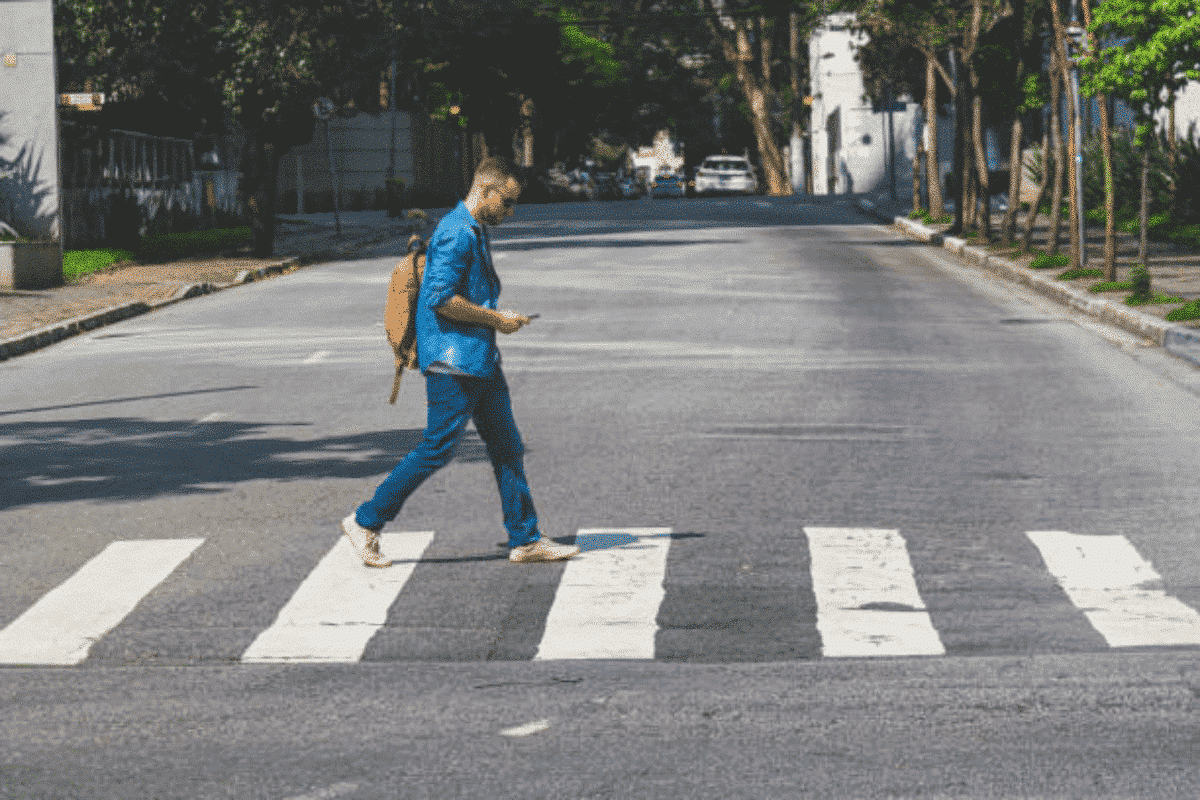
x,y
497,204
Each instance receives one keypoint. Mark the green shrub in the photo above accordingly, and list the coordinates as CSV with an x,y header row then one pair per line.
x,y
172,246
1111,286
77,263
1185,312
1155,298
1080,272
1047,261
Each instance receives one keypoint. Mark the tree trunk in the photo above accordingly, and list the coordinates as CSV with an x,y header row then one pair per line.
x,y
960,160
261,181
757,89
933,172
1144,216
1110,199
1052,243
1016,162
916,178
981,165
1031,220
1016,176
1110,194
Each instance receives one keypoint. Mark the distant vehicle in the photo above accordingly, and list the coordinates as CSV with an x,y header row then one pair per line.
x,y
726,174
629,187
606,187
668,185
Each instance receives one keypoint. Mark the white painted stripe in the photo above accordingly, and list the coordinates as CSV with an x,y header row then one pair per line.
x,y
528,729
340,605
317,357
607,600
1117,590
867,598
62,626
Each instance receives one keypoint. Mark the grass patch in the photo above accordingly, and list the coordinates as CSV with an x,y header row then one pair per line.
x,y
1158,298
1186,235
1047,261
1185,312
1072,274
173,246
1111,286
77,263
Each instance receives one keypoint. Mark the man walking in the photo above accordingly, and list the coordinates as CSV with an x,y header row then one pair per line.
x,y
456,323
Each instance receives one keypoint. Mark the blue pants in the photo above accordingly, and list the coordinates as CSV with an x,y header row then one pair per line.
x,y
452,401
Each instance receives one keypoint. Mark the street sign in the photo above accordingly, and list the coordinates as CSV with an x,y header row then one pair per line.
x,y
323,108
84,101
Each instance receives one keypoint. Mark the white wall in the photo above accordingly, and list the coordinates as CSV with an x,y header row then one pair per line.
x,y
29,119
854,147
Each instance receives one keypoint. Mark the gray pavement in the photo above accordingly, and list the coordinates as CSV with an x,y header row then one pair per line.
x,y
746,374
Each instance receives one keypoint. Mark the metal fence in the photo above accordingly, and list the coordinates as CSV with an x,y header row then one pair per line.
x,y
118,186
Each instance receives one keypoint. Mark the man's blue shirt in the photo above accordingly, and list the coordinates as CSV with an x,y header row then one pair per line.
x,y
458,262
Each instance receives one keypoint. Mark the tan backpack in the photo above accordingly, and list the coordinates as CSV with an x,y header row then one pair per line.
x,y
400,312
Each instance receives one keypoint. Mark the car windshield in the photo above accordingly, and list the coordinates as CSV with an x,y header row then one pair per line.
x,y
726,164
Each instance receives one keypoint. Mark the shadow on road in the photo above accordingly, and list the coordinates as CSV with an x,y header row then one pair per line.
x,y
115,459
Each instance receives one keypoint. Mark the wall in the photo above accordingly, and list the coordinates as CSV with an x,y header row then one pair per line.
x,y
29,195
367,149
856,147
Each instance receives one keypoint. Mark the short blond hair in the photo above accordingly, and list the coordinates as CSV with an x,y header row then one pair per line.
x,y
493,172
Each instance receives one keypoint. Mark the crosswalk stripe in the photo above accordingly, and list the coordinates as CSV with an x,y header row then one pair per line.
x,y
868,603
61,627
608,598
340,605
1106,578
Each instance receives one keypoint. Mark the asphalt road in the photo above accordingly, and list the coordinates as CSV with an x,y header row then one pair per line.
x,y
858,522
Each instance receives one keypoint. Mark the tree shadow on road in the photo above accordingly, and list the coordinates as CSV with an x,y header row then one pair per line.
x,y
115,459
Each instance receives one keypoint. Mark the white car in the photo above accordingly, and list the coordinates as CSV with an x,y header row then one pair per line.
x,y
726,174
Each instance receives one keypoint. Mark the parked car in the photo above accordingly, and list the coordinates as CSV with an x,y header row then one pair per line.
x,y
668,185
726,174
630,187
606,186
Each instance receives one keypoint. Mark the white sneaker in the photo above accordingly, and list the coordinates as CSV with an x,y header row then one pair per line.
x,y
365,542
542,549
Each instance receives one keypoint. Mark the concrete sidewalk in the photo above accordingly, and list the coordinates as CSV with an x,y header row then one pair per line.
x,y
1174,271
31,320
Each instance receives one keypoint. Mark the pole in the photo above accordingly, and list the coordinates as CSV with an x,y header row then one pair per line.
x,y
337,214
1078,134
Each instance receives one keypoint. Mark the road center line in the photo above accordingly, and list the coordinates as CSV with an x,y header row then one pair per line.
x,y
62,626
1117,590
867,598
607,601
340,605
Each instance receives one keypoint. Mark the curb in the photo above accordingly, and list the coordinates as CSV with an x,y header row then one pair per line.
x,y
57,331
1176,339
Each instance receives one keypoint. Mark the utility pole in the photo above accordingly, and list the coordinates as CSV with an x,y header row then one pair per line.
x,y
1075,34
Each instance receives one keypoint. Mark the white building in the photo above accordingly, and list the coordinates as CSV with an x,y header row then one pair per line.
x,y
665,155
857,146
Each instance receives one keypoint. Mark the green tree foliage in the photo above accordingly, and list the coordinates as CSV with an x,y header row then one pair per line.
x,y
1152,50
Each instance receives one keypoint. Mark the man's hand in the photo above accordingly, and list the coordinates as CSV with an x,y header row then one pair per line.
x,y
510,321
461,309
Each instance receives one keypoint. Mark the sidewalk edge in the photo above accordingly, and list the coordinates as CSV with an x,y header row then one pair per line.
x,y
65,329
1176,339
